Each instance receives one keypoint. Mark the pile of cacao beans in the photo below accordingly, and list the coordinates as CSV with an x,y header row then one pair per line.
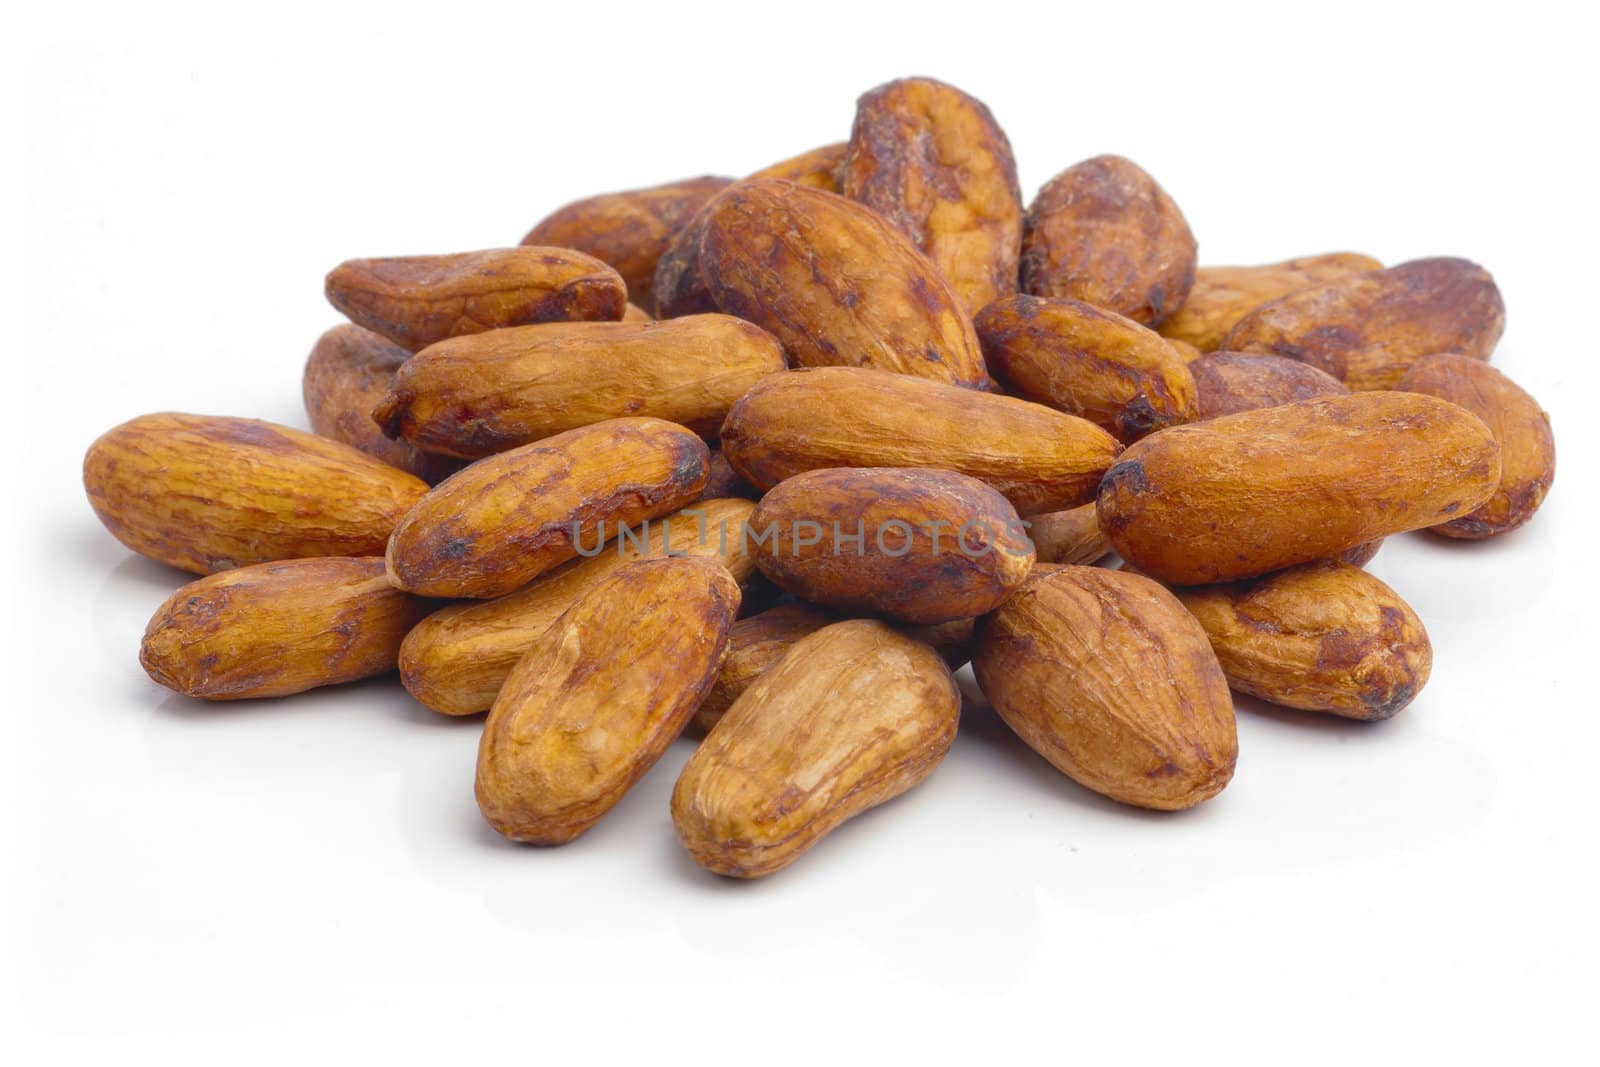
x,y
765,460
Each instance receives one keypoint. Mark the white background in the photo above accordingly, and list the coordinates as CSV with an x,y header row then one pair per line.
x,y
304,879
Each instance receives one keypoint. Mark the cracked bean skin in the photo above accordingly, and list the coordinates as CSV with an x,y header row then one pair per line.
x,y
1367,329
933,161
1071,536
415,301
1221,296
1109,678
477,395
680,285
347,375
1527,447
1241,495
206,493
936,545
506,519
1105,233
598,697
456,660
852,716
273,629
1230,382
835,283
628,230
1322,636
1041,459
1087,361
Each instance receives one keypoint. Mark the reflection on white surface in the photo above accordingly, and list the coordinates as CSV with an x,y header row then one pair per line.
x,y
182,847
